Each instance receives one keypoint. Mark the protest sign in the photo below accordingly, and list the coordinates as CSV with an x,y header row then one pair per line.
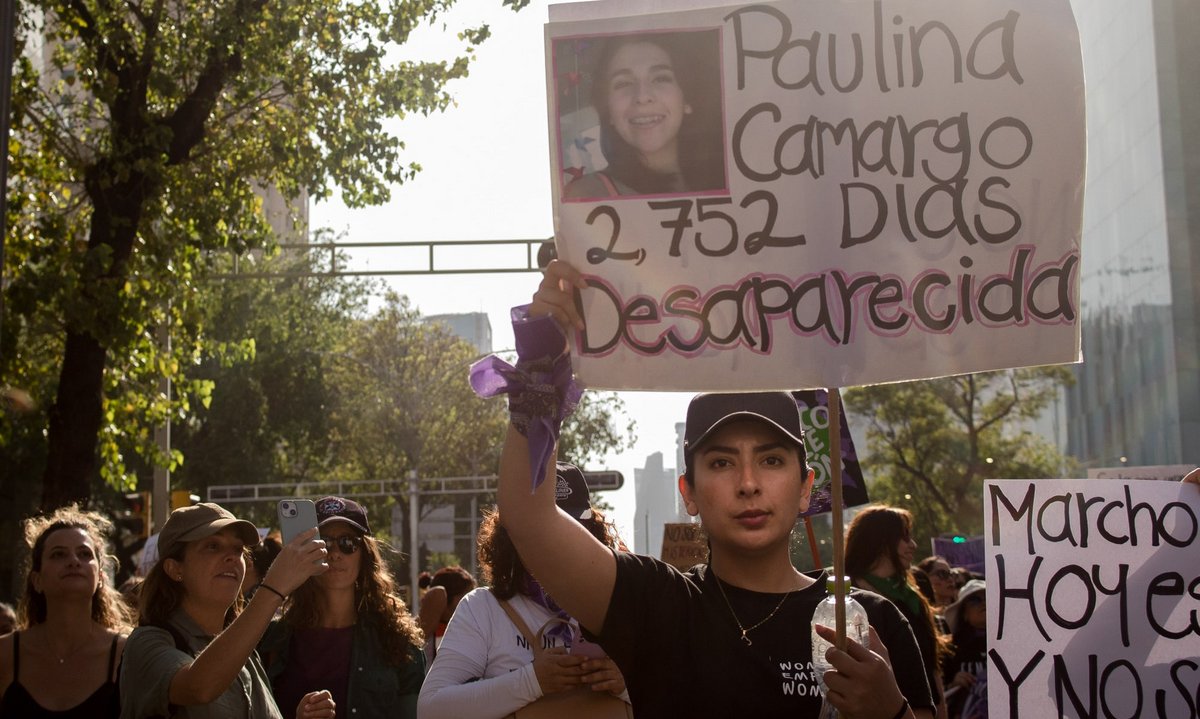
x,y
683,545
965,552
814,417
1093,595
799,194
1165,472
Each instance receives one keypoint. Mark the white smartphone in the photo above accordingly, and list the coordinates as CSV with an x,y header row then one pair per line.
x,y
296,516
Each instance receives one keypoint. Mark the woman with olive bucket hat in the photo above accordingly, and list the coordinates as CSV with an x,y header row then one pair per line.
x,y
193,656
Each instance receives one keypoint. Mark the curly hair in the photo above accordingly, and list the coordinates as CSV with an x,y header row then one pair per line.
x,y
499,562
377,600
108,609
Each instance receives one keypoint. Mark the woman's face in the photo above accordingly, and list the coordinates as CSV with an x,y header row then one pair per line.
x,y
975,610
942,581
905,550
343,567
749,487
212,569
70,564
645,103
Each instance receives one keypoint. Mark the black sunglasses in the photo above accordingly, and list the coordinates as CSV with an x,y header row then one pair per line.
x,y
941,573
346,544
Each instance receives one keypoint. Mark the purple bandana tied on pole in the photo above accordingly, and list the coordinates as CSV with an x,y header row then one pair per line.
x,y
541,389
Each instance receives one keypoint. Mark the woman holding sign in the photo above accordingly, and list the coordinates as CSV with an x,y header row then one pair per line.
x,y
729,638
658,100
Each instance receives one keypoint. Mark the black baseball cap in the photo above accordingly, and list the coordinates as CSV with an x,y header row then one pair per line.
x,y
709,412
571,491
338,509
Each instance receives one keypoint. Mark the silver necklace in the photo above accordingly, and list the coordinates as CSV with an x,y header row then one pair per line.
x,y
764,620
70,652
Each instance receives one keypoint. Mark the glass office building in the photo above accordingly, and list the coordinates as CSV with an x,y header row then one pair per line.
x,y
1137,394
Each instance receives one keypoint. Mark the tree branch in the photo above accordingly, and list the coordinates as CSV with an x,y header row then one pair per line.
x,y
188,121
1008,407
87,31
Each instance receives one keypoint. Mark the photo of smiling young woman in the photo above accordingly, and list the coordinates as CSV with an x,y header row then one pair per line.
x,y
656,98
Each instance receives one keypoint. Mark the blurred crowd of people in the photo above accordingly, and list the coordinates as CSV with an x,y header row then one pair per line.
x,y
225,625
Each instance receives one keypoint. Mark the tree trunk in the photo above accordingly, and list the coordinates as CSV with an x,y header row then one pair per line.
x,y
74,423
77,412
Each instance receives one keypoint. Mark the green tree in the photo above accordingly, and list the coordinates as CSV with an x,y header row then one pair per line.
x,y
597,427
401,404
140,136
272,343
402,401
932,442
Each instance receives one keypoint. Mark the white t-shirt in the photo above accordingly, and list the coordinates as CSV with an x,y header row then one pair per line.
x,y
484,667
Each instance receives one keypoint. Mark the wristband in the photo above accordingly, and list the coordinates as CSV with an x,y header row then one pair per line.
x,y
273,590
541,388
903,710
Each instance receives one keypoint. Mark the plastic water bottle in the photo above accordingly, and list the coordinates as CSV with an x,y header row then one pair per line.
x,y
825,614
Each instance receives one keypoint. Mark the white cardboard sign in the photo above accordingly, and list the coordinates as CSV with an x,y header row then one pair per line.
x,y
1093,595
818,194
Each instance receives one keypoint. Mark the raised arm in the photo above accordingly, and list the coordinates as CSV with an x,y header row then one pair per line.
x,y
575,568
217,666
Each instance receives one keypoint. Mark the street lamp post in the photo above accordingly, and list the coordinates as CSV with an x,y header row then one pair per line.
x,y
414,491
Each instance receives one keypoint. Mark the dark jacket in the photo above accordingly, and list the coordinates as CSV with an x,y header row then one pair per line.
x,y
376,689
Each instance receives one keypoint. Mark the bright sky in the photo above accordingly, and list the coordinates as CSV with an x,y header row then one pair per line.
x,y
487,176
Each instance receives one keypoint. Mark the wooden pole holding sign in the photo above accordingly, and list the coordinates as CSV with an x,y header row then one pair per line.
x,y
835,476
812,542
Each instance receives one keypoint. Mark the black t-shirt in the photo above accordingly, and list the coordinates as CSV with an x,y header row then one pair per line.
x,y
682,655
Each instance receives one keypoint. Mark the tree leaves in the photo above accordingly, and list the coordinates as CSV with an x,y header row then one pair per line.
x,y
142,140
933,442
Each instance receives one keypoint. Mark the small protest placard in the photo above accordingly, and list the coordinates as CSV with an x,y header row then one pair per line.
x,y
803,194
683,545
1165,472
967,553
1093,594
814,417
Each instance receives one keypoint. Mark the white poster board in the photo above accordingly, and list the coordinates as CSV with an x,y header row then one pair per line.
x,y
852,192
1093,598
1164,472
